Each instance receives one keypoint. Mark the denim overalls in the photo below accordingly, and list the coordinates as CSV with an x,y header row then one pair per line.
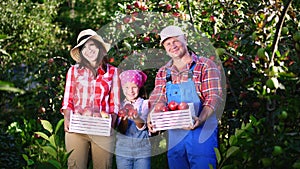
x,y
133,150
185,151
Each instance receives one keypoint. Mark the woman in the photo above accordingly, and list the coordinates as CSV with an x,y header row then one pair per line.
x,y
92,89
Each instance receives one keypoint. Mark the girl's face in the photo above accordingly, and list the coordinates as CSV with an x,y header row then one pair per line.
x,y
131,91
90,51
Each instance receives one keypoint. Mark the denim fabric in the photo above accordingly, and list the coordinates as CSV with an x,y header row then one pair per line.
x,y
135,143
133,149
133,163
185,148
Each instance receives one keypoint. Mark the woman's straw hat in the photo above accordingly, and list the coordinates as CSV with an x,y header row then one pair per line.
x,y
84,36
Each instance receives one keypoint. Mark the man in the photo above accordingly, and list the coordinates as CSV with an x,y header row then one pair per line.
x,y
189,78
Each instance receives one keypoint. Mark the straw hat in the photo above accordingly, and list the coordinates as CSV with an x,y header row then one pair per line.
x,y
170,31
84,36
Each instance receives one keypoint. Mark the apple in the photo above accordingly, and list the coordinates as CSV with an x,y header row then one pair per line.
x,y
87,112
176,14
178,5
51,60
261,53
126,20
96,115
182,106
159,107
129,7
172,105
165,108
104,114
168,7
220,51
212,18
146,39
132,113
137,4
128,107
42,110
122,112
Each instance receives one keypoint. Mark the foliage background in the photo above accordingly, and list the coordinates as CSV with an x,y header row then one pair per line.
x,y
258,43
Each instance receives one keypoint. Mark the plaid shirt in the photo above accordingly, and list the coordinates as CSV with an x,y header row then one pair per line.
x,y
206,77
85,94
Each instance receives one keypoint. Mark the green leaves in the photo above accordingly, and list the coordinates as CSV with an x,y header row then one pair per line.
x,y
58,155
9,87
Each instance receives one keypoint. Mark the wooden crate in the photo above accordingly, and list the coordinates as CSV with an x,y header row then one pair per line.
x,y
172,119
90,125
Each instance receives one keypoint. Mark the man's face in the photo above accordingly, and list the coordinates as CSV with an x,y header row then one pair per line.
x,y
176,47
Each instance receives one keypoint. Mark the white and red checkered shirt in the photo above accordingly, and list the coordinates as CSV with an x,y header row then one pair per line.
x,y
86,94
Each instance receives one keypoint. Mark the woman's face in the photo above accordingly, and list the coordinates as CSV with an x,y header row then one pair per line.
x,y
131,91
90,51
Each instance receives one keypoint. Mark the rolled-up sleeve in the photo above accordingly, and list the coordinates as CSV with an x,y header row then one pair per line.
x,y
114,98
211,85
67,102
159,92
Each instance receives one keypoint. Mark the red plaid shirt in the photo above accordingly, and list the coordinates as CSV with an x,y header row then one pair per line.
x,y
84,93
206,76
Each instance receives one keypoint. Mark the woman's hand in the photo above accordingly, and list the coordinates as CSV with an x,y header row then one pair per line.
x,y
66,119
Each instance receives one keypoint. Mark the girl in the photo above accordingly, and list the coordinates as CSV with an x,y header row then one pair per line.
x,y
91,89
133,149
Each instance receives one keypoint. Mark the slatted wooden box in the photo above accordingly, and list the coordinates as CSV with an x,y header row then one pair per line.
x,y
90,125
172,119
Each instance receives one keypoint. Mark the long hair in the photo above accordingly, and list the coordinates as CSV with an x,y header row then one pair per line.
x,y
101,59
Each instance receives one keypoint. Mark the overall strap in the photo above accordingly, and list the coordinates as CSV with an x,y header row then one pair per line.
x,y
168,76
190,74
191,71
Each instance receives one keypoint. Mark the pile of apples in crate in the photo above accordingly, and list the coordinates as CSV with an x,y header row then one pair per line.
x,y
171,106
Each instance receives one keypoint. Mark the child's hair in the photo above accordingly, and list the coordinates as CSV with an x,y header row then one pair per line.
x,y
102,52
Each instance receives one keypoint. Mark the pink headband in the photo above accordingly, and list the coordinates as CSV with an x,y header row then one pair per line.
x,y
134,76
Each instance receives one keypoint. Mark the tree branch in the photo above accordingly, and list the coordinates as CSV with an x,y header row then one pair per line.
x,y
278,31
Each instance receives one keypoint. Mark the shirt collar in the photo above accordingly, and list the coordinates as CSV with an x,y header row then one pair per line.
x,y
169,65
136,101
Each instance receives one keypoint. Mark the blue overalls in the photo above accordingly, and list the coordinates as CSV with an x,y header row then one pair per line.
x,y
185,150
133,150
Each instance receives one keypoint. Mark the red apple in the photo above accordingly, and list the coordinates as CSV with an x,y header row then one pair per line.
x,y
182,106
51,60
126,20
158,107
172,105
168,7
146,39
212,18
122,112
128,106
129,7
178,5
132,113
165,108
137,4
